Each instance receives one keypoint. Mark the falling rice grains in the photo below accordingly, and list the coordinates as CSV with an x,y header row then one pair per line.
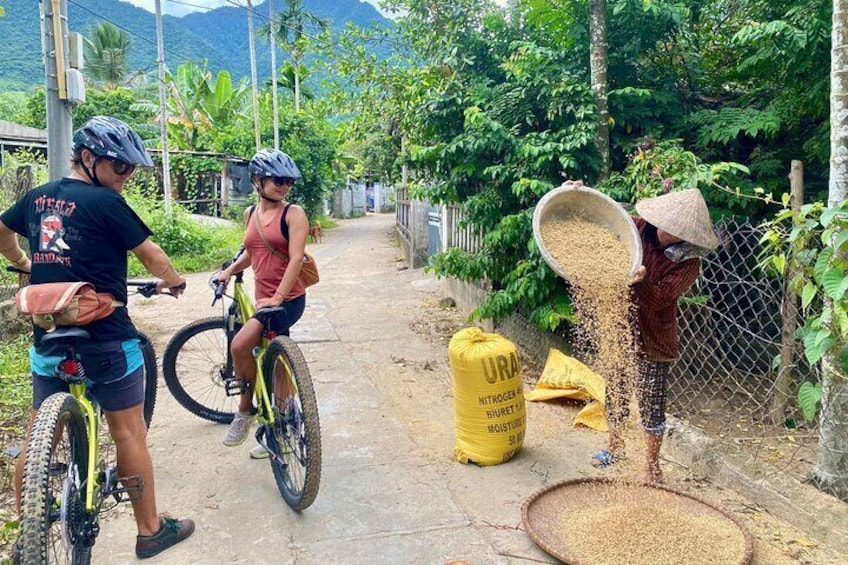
x,y
598,267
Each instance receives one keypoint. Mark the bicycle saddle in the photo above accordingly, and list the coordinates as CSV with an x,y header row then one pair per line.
x,y
264,313
64,334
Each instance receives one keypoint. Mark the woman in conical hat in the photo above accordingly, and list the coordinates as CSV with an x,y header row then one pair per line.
x,y
675,229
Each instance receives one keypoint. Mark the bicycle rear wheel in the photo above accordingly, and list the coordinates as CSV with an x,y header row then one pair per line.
x,y
150,377
295,437
54,525
196,364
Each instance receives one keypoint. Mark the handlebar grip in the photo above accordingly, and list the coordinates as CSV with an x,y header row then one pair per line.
x,y
12,269
147,290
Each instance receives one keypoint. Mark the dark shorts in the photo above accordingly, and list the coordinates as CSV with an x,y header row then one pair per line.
x,y
281,323
114,371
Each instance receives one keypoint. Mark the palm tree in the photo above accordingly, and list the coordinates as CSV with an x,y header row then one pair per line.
x,y
107,55
291,29
286,80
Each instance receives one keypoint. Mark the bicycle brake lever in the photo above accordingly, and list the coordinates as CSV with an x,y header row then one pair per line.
x,y
219,291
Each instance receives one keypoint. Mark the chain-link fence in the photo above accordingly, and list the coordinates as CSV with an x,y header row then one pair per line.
x,y
732,335
734,351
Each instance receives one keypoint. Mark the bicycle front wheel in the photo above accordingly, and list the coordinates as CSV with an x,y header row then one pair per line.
x,y
295,437
150,377
196,365
54,525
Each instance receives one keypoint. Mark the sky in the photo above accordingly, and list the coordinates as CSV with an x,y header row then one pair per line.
x,y
180,9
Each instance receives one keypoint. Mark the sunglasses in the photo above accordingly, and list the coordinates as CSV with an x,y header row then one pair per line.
x,y
282,181
120,167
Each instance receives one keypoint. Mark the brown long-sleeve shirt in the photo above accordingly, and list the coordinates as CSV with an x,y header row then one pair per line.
x,y
656,297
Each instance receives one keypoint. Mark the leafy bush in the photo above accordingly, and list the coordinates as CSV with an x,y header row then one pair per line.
x,y
192,246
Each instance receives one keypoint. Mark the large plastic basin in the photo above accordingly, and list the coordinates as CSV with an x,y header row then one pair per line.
x,y
590,205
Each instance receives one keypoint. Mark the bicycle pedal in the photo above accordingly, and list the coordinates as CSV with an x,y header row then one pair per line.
x,y
236,387
130,486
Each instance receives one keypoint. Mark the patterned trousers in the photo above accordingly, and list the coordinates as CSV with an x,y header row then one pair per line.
x,y
651,384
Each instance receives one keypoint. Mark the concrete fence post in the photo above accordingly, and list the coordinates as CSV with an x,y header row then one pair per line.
x,y
419,234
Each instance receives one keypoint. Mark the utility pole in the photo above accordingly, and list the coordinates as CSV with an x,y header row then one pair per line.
x,y
273,37
163,109
253,77
54,30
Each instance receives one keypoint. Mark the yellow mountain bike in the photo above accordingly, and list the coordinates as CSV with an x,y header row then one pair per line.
x,y
198,369
70,472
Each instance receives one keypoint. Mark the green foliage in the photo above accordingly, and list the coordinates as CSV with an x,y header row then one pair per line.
x,y
34,111
811,248
118,102
9,173
106,55
11,104
657,167
809,400
197,104
192,246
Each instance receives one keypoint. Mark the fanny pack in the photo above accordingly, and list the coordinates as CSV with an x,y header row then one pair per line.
x,y
50,305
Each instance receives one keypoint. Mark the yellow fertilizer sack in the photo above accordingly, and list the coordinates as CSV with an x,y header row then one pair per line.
x,y
490,416
566,377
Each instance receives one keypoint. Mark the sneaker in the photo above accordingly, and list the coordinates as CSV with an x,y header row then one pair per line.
x,y
259,452
239,430
171,532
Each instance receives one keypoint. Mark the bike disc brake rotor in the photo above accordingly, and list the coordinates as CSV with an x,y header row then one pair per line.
x,y
72,509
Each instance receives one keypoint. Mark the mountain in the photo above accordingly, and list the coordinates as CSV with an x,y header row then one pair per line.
x,y
218,36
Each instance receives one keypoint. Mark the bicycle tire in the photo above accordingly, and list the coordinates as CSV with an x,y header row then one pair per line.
x,y
59,417
296,457
150,377
195,374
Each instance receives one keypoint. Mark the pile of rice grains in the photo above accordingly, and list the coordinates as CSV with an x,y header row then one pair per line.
x,y
628,528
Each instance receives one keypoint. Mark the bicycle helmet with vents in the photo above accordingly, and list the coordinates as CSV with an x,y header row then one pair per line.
x,y
273,163
111,138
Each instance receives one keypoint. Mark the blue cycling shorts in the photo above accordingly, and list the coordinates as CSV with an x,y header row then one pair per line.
x,y
114,372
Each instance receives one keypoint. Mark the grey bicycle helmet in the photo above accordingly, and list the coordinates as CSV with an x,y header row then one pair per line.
x,y
273,163
111,138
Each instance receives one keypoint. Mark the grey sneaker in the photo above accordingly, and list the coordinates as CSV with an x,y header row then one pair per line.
x,y
259,452
239,429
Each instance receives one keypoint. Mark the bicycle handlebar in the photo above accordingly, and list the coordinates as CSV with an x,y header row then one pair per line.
x,y
221,286
145,288
148,288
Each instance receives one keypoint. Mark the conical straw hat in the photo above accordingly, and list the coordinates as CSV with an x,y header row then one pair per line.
x,y
683,214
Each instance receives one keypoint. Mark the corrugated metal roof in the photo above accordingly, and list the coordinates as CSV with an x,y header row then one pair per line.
x,y
10,131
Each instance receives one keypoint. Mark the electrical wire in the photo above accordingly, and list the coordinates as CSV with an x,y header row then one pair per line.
x,y
131,32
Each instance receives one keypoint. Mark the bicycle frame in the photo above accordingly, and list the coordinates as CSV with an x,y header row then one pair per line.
x,y
247,310
91,411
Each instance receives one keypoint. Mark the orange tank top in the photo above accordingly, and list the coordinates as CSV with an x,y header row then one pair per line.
x,y
268,269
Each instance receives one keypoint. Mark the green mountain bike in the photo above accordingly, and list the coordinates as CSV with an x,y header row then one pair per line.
x,y
198,369
70,472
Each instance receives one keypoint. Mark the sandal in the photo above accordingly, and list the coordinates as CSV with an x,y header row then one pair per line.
x,y
604,458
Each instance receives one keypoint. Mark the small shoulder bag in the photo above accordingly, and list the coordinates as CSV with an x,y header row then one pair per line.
x,y
308,272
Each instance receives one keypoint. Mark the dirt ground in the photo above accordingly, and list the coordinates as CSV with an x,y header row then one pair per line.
x,y
375,336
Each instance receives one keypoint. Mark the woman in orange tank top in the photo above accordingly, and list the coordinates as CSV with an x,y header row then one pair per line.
x,y
275,254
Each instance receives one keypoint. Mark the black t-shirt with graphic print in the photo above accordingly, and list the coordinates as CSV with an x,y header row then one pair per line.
x,y
80,232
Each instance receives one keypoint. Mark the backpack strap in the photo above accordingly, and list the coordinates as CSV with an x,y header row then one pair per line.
x,y
284,227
